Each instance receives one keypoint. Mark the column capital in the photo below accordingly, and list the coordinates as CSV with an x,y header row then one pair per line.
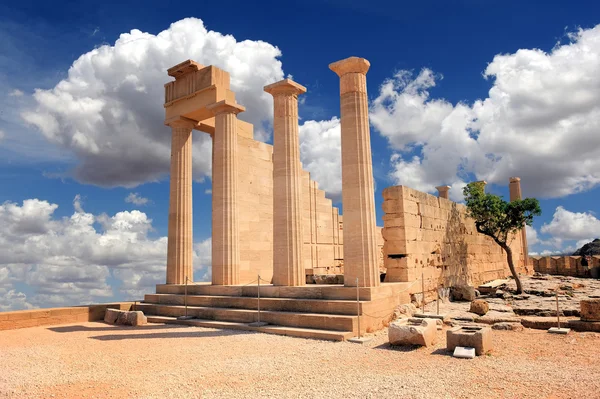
x,y
181,122
285,87
226,107
350,65
514,179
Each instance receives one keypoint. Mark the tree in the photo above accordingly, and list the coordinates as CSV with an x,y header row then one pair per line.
x,y
499,219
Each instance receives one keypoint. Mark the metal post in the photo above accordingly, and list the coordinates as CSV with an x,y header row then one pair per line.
x,y
438,300
258,299
557,310
358,305
423,293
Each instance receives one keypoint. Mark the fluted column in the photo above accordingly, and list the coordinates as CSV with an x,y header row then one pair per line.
x,y
225,224
180,237
443,191
514,188
358,194
288,267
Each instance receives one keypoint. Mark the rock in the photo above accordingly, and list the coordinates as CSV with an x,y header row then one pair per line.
x,y
407,310
463,293
413,331
480,307
590,309
123,317
508,326
477,337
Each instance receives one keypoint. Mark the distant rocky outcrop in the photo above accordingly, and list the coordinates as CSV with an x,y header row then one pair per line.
x,y
589,249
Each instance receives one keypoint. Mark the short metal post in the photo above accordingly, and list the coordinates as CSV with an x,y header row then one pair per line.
x,y
423,293
258,299
557,310
358,305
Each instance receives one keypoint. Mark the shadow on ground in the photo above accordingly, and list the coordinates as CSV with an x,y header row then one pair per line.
x,y
107,327
174,334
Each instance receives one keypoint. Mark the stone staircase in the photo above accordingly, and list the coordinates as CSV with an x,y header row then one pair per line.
x,y
319,312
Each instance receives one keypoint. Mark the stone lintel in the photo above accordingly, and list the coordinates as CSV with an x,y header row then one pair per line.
x,y
225,106
180,121
350,65
184,68
285,86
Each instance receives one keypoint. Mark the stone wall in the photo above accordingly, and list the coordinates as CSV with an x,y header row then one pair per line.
x,y
567,265
57,316
424,234
322,222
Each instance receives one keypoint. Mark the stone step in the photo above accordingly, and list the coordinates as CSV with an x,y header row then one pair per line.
x,y
340,307
312,333
289,319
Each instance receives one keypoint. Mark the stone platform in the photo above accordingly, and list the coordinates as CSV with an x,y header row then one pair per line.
x,y
315,311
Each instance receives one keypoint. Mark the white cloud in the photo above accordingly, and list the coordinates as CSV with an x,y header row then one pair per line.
x,y
540,122
2,135
16,93
68,261
567,225
108,111
208,191
320,152
136,199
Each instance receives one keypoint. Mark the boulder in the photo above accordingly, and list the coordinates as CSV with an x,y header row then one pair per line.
x,y
479,306
125,318
404,311
463,293
413,331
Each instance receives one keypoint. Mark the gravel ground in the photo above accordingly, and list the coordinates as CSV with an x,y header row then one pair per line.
x,y
95,360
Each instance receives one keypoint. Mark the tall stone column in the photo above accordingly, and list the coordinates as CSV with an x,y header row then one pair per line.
x,y
358,194
514,188
288,267
443,191
225,224
180,237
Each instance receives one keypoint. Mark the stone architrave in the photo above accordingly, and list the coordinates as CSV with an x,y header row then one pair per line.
x,y
514,188
180,237
288,268
358,194
443,191
225,223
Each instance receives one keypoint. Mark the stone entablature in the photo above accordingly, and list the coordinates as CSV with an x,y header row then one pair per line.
x,y
425,234
567,265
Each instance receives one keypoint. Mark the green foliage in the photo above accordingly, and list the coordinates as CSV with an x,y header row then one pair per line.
x,y
495,217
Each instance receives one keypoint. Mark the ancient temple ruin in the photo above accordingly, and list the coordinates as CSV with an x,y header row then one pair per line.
x,y
270,219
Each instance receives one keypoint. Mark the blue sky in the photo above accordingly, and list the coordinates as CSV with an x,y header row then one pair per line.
x,y
459,91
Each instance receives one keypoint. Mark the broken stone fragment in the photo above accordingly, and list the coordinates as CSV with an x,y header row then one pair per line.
x,y
413,331
463,293
125,318
480,307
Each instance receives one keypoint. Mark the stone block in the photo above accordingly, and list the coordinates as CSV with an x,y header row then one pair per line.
x,y
590,309
464,353
123,317
462,293
480,307
413,331
478,337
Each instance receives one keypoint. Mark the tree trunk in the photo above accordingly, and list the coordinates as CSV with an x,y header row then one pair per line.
x,y
511,265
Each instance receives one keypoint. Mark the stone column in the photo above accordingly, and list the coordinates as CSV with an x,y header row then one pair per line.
x,y
514,188
358,194
443,191
225,227
288,267
180,237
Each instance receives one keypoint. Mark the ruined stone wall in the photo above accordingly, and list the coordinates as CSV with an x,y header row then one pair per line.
x,y
426,234
322,223
567,265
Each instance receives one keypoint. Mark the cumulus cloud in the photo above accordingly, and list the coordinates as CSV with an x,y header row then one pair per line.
x,y
567,225
70,261
16,93
108,111
320,152
540,121
136,199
